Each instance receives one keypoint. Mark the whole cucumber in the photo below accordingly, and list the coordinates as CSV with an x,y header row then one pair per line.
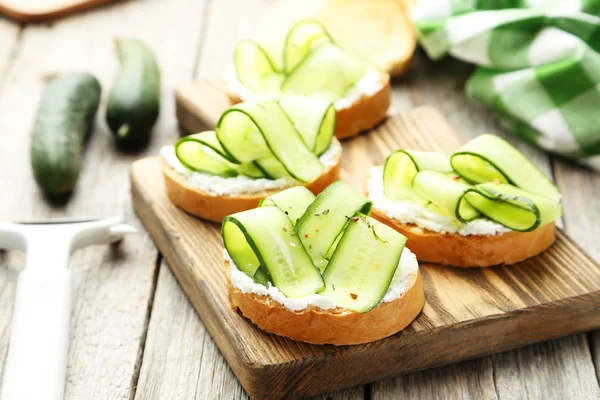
x,y
65,116
134,101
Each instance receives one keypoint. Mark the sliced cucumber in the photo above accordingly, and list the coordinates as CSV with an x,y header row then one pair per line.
x,y
314,120
252,131
325,219
293,202
271,167
327,72
302,37
195,157
402,166
363,264
488,158
202,152
512,207
265,238
255,69
445,192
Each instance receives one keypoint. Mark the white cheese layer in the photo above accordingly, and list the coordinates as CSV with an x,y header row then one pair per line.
x,y
404,278
408,213
221,186
368,85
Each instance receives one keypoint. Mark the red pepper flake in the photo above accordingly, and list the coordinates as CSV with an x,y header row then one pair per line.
x,y
355,219
353,296
456,178
306,236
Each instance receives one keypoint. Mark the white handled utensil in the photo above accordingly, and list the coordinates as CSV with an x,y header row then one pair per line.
x,y
37,355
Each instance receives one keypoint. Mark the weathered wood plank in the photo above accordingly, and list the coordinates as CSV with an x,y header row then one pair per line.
x,y
465,380
113,286
9,42
550,370
581,188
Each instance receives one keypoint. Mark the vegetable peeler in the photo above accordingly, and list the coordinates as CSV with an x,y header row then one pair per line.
x,y
37,355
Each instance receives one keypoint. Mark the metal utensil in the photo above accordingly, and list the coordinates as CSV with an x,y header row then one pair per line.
x,y
37,355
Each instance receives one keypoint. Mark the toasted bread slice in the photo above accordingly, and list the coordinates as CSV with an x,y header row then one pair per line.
x,y
337,326
381,31
216,207
362,115
473,250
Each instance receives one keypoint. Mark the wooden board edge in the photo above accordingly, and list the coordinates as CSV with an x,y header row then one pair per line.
x,y
23,15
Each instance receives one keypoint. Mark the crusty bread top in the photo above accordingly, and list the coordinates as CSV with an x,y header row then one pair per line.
x,y
381,31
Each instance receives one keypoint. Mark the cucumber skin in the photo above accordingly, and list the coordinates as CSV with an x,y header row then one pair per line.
x,y
64,118
134,101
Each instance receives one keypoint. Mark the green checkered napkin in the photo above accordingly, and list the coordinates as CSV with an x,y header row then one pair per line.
x,y
539,65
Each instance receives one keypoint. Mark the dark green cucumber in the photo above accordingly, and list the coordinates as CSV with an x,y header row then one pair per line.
x,y
134,100
64,119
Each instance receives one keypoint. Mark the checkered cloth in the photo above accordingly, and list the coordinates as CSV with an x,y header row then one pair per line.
x,y
539,65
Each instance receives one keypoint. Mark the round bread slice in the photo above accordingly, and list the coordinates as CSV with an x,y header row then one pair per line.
x,y
473,250
381,31
364,114
338,326
214,208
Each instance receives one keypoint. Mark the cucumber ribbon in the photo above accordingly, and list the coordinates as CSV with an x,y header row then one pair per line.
x,y
487,178
269,139
304,245
310,64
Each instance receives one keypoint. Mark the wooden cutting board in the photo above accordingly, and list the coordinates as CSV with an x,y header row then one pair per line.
x,y
42,10
468,313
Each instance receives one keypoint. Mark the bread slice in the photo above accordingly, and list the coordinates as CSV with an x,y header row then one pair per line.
x,y
337,326
473,250
214,208
381,30
364,114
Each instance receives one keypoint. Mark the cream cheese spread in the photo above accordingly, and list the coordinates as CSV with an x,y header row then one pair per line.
x,y
220,186
368,85
409,213
403,279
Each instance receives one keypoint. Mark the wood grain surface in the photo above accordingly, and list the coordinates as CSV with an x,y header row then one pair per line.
x,y
196,40
113,286
467,313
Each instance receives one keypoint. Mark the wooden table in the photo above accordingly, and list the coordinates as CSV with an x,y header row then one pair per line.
x,y
134,333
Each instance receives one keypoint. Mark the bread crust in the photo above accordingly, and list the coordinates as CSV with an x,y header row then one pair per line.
x,y
473,250
362,115
214,208
338,327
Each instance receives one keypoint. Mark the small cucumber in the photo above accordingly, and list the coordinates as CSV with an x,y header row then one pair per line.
x,y
64,118
134,100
